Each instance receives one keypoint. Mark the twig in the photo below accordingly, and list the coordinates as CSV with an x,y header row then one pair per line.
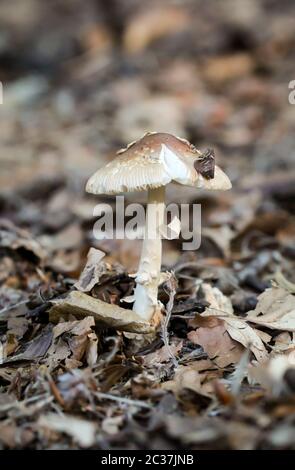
x,y
55,391
189,265
170,287
22,405
108,357
6,309
128,401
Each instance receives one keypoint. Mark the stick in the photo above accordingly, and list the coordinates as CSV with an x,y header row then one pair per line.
x,y
170,287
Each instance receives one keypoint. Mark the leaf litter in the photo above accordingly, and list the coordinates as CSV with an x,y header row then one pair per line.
x,y
78,368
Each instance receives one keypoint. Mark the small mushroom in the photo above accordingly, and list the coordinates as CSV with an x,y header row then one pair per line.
x,y
150,164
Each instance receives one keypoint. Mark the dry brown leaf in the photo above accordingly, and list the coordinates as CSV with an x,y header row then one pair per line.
x,y
92,272
162,354
283,342
275,309
17,326
76,327
15,238
35,349
11,344
217,343
81,340
58,352
237,328
78,346
81,305
71,363
186,377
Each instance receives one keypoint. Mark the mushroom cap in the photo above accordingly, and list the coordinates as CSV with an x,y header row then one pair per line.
x,y
153,161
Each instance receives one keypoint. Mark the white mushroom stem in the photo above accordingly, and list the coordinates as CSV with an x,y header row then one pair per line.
x,y
148,276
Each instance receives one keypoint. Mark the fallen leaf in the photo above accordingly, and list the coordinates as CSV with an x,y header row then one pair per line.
x,y
275,309
17,326
14,238
58,352
92,272
284,342
216,342
237,328
35,349
75,327
185,378
72,341
81,305
188,377
162,354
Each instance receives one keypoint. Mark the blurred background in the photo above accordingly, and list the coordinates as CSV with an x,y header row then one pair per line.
x,y
82,78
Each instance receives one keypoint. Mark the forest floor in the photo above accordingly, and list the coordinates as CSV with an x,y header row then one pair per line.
x,y
219,373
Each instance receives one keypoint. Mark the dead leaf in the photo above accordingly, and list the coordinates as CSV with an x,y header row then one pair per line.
x,y
284,342
93,270
190,377
216,342
275,309
162,355
186,377
35,349
14,238
58,352
237,328
81,305
79,340
17,326
75,327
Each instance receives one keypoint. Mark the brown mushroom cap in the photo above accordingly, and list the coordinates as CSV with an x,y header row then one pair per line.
x,y
153,161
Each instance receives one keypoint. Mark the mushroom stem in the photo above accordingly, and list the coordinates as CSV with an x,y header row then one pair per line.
x,y
149,271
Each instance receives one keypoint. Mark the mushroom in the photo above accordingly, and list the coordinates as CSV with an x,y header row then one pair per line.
x,y
150,164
